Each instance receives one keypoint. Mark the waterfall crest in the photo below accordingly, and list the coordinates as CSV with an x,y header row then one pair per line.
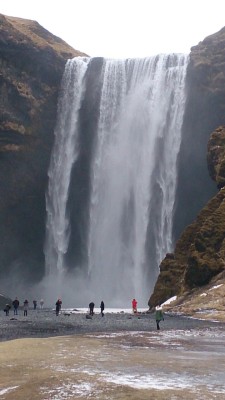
x,y
132,173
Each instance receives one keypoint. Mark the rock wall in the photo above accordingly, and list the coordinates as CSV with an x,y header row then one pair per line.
x,y
32,62
200,252
205,111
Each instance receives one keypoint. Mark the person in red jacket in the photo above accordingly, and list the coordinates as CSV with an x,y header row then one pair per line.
x,y
134,305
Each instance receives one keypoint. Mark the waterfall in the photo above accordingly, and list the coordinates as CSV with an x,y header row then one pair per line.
x,y
132,173
64,154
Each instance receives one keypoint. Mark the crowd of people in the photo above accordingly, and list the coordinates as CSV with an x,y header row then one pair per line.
x,y
25,306
58,305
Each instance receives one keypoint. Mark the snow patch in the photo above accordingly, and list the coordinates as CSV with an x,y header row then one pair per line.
x,y
169,300
216,287
4,391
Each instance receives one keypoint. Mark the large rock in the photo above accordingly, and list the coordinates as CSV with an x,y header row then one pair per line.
x,y
200,252
32,62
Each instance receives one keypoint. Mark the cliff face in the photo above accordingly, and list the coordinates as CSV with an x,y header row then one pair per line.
x,y
205,111
199,254
32,62
216,156
199,251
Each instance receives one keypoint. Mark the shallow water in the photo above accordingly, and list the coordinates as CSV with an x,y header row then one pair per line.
x,y
173,364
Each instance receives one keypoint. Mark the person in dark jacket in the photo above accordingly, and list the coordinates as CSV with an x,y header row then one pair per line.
x,y
58,306
16,304
102,307
91,308
7,308
35,304
25,307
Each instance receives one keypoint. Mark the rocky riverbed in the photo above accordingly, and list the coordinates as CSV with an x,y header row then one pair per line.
x,y
45,323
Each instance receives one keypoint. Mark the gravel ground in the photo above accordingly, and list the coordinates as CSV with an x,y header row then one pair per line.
x,y
44,323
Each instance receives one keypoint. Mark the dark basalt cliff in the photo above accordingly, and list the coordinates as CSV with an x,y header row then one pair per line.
x,y
32,62
199,252
216,156
205,111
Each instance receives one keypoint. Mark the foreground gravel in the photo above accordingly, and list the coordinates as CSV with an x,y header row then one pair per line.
x,y
44,323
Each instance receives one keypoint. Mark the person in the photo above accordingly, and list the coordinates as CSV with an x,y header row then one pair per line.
x,y
35,304
58,305
7,308
41,303
134,305
25,307
16,304
158,316
91,307
102,307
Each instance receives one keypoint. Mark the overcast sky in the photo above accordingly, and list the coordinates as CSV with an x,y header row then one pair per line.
x,y
124,28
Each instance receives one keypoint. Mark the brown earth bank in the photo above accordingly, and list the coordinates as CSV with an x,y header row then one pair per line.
x,y
206,303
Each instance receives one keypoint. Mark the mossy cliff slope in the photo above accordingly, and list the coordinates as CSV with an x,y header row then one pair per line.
x,y
199,254
32,62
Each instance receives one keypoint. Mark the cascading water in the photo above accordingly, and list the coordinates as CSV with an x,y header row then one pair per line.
x,y
64,154
132,175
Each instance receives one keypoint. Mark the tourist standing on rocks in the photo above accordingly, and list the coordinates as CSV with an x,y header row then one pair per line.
x,y
16,304
134,306
91,307
158,316
25,307
35,304
102,307
7,308
58,305
41,303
